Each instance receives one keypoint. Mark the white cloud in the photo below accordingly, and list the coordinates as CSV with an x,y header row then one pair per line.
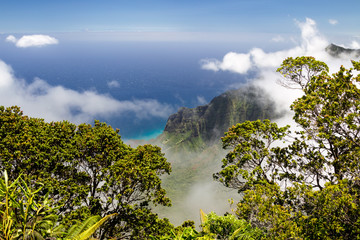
x,y
32,40
6,75
55,103
333,21
11,38
234,62
113,84
311,43
278,39
210,64
355,45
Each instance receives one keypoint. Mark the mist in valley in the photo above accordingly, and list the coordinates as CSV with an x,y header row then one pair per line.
x,y
191,186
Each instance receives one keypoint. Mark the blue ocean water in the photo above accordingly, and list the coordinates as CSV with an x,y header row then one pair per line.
x,y
169,72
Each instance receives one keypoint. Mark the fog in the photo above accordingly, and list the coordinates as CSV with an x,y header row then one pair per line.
x,y
200,191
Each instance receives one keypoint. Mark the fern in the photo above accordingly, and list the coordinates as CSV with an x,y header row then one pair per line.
x,y
87,228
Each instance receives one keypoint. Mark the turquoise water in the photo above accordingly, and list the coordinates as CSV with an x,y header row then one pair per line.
x,y
149,135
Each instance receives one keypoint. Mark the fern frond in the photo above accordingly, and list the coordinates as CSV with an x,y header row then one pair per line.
x,y
87,228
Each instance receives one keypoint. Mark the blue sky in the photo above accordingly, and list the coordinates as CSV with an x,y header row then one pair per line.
x,y
242,16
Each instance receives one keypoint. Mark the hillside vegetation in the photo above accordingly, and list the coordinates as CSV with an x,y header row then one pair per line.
x,y
192,143
194,129
66,181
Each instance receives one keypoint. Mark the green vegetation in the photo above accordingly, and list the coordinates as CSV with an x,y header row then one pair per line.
x,y
215,227
24,216
302,185
191,141
71,181
86,170
197,128
228,227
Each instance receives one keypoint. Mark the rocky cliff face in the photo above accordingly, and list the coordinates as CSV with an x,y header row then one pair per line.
x,y
196,128
191,142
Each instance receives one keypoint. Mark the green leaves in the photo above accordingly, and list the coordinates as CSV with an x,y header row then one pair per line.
x,y
229,227
23,215
329,113
334,211
298,72
306,185
86,229
87,170
253,148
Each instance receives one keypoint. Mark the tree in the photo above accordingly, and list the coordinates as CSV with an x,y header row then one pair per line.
x,y
214,227
87,170
23,216
121,179
42,152
303,183
228,227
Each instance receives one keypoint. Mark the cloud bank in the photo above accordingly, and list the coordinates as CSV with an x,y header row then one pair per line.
x,y
355,45
56,103
32,41
312,43
264,64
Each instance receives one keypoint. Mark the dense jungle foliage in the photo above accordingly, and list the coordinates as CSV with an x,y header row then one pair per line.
x,y
66,181
302,184
86,170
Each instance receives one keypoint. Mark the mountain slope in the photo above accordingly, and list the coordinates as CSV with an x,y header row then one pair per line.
x,y
196,128
337,51
191,142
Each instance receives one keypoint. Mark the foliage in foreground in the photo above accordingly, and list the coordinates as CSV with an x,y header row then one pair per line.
x,y
21,214
303,184
295,185
87,170
229,227
24,216
215,227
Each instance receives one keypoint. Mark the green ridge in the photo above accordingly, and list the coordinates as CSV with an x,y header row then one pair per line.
x,y
194,129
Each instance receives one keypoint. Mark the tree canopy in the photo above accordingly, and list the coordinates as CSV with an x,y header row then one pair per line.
x,y
295,184
302,183
87,170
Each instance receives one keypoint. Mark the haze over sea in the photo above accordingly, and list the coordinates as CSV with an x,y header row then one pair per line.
x,y
136,85
167,72
133,63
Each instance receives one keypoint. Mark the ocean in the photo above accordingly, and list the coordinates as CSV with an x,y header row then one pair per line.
x,y
169,72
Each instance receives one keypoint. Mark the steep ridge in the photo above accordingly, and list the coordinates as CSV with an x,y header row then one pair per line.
x,y
196,128
192,143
